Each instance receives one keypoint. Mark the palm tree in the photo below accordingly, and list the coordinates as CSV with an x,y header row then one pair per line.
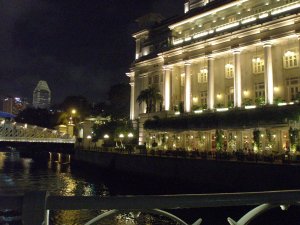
x,y
150,96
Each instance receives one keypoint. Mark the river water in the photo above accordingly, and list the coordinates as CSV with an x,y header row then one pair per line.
x,y
57,174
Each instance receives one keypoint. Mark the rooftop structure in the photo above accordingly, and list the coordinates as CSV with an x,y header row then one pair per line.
x,y
218,56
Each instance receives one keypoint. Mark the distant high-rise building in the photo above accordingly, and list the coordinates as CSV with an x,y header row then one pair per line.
x,y
14,105
8,104
41,95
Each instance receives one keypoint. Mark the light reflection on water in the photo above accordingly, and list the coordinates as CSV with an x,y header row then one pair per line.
x,y
19,175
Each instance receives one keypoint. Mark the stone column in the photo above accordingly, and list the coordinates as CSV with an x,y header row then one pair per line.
x,y
132,95
167,85
237,79
211,83
187,87
268,73
132,101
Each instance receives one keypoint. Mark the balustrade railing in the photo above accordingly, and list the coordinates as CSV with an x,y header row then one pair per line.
x,y
35,206
242,156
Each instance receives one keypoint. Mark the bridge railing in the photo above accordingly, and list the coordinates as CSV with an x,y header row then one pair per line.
x,y
19,132
35,206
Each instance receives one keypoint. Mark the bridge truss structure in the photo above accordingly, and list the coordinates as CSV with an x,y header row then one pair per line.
x,y
18,132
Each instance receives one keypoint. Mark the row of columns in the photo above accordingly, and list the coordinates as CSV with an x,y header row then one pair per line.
x,y
268,78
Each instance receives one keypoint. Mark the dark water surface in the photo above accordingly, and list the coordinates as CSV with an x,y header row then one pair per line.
x,y
57,174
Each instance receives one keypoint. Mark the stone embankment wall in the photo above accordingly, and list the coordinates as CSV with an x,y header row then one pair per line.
x,y
237,176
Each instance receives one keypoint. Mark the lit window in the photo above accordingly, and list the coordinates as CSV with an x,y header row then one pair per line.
x,y
258,10
203,97
289,1
290,60
231,19
202,76
230,96
182,79
156,79
258,65
293,87
229,71
149,80
259,90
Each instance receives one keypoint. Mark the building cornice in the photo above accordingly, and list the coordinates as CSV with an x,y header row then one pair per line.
x,y
263,31
270,27
193,18
157,59
140,33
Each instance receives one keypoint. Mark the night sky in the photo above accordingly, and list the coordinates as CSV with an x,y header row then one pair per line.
x,y
80,47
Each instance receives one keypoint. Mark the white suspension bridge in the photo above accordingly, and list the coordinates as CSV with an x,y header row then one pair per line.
x,y
18,132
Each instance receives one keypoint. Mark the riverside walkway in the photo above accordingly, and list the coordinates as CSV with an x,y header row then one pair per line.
x,y
36,206
237,156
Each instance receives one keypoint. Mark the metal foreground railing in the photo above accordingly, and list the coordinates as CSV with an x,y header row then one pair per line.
x,y
35,206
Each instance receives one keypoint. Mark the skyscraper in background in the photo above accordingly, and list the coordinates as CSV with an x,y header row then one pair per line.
x,y
41,95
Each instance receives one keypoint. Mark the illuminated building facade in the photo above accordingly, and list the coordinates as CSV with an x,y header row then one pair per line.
x,y
41,95
219,55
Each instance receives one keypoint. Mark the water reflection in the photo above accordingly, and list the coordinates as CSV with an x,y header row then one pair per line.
x,y
132,218
20,173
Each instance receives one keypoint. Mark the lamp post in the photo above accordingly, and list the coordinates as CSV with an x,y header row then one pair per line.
x,y
130,147
121,136
130,136
89,137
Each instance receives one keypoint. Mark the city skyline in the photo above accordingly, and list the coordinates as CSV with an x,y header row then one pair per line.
x,y
79,49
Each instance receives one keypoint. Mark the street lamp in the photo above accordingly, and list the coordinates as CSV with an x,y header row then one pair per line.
x,y
106,136
89,137
121,136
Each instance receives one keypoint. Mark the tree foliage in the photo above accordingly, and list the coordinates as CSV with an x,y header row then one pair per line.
x,y
256,138
77,102
39,117
219,139
119,101
150,97
113,128
267,115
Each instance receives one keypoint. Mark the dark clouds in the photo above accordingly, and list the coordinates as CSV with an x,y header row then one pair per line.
x,y
77,46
